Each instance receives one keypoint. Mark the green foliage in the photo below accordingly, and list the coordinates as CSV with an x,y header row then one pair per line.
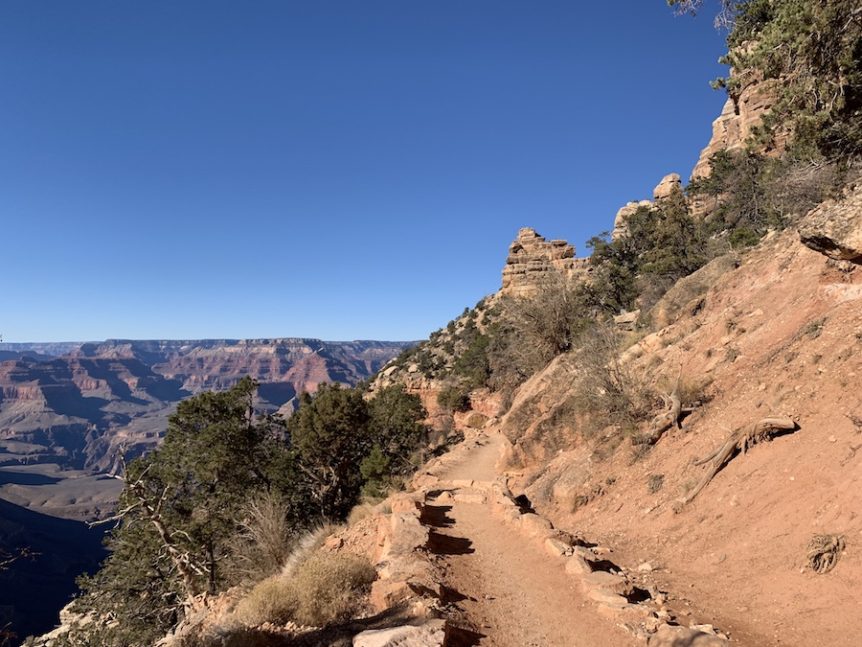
x,y
813,50
472,364
753,193
395,421
376,469
455,397
183,503
664,243
811,55
329,434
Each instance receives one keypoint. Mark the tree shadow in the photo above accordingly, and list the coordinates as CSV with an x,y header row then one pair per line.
x,y
461,637
440,544
436,516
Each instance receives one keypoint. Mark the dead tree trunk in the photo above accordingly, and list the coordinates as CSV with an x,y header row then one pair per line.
x,y
738,441
668,418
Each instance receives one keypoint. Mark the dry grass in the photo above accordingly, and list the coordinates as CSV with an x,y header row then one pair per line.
x,y
359,512
331,588
324,589
274,599
265,541
306,547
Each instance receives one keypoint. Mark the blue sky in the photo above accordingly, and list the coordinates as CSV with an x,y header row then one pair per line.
x,y
335,169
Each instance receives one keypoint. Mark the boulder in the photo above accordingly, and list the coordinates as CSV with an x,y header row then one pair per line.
x,y
536,526
835,228
672,636
430,634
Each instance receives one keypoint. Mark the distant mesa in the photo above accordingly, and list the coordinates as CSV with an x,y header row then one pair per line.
x,y
79,408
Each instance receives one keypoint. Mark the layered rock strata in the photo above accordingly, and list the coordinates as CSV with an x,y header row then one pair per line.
x,y
533,260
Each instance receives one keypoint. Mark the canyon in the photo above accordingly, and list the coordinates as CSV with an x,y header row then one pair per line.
x,y
69,411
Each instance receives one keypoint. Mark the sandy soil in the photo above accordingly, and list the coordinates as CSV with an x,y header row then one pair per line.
x,y
506,591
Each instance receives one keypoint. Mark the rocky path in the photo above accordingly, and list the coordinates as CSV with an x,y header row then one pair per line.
x,y
505,590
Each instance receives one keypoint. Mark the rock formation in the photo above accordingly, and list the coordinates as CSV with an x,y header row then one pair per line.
x,y
76,409
532,259
620,228
835,228
735,124
669,186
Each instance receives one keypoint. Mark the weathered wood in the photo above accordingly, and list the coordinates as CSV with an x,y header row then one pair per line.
x,y
739,441
669,418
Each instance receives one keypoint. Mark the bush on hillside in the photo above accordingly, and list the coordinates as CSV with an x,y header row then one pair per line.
x,y
605,388
324,590
455,397
264,540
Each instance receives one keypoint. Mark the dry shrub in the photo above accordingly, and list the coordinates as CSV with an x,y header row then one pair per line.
x,y
605,387
655,482
359,512
694,391
331,588
325,589
824,551
265,541
476,420
273,600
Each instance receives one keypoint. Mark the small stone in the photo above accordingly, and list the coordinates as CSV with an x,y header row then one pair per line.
x,y
556,547
577,566
832,439
645,567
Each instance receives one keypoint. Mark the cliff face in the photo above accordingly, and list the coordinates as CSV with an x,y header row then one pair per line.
x,y
735,125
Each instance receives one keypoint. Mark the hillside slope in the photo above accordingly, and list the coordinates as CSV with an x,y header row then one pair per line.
x,y
779,335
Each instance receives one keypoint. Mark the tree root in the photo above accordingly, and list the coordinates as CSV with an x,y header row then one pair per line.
x,y
738,441
824,551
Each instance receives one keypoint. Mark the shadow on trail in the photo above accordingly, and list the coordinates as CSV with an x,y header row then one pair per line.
x,y
441,544
436,516
460,637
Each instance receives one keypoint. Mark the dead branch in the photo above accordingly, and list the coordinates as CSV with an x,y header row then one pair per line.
x,y
7,559
739,441
185,563
668,418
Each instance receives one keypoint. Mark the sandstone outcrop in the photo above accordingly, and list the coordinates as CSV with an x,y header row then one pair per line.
x,y
532,260
620,228
835,228
669,186
735,124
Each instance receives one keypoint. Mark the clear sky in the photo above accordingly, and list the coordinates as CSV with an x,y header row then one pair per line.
x,y
336,169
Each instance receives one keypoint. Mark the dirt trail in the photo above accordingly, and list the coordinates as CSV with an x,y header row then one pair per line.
x,y
505,589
